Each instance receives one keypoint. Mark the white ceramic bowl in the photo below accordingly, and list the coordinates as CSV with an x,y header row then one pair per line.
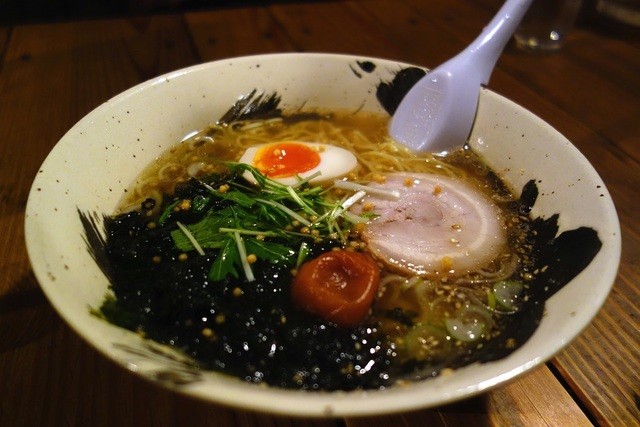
x,y
100,156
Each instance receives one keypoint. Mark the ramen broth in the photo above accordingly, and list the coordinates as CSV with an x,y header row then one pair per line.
x,y
417,325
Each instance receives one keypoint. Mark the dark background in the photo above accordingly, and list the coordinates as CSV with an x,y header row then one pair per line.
x,y
34,11
37,11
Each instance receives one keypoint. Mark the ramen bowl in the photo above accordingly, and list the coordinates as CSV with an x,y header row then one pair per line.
x,y
88,171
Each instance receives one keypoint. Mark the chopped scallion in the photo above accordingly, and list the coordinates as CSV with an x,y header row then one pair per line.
x,y
307,179
247,232
353,199
285,209
303,252
192,239
296,198
242,252
348,185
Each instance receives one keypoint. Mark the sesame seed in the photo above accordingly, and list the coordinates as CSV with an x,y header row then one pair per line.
x,y
359,227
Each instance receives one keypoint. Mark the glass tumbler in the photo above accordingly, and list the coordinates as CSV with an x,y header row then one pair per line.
x,y
546,25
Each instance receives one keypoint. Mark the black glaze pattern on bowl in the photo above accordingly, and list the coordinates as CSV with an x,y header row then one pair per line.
x,y
559,257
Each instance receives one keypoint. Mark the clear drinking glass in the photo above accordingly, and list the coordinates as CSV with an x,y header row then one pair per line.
x,y
546,24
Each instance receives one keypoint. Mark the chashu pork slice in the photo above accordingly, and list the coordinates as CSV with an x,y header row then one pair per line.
x,y
438,225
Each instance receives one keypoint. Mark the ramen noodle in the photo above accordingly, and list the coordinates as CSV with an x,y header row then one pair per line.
x,y
323,284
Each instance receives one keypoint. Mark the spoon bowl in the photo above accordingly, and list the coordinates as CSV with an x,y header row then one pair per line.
x,y
438,112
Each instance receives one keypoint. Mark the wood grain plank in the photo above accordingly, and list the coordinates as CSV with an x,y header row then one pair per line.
x,y
609,108
234,32
601,366
4,40
370,28
536,399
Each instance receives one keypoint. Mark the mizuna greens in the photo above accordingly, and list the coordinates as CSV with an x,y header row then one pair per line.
x,y
292,214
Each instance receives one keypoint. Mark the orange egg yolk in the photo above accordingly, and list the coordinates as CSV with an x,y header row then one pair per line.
x,y
285,159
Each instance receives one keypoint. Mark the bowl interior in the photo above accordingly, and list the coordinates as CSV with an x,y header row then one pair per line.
x,y
93,164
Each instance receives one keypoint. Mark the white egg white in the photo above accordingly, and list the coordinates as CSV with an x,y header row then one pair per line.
x,y
335,162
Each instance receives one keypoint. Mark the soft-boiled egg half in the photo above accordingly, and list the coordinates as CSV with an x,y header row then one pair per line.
x,y
289,161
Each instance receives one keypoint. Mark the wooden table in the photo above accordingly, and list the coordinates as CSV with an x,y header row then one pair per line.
x,y
52,74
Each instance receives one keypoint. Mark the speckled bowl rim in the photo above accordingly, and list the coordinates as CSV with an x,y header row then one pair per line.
x,y
72,175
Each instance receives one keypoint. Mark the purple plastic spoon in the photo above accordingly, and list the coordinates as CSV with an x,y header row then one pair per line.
x,y
437,114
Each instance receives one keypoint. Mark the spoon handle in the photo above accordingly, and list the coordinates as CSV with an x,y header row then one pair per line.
x,y
494,37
